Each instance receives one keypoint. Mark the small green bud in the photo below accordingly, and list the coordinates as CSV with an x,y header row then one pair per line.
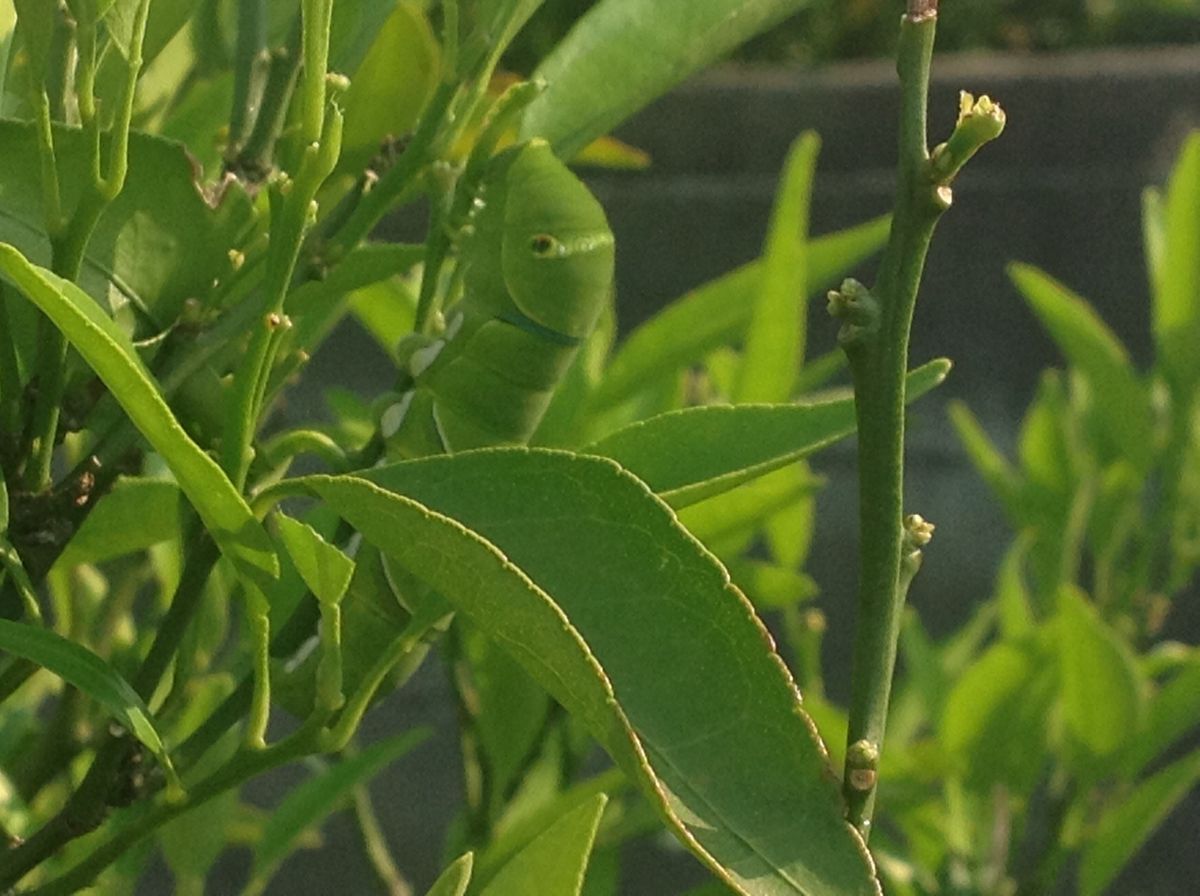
x,y
857,309
979,121
862,765
336,84
918,532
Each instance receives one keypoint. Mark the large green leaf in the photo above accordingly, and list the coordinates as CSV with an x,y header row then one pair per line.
x,y
1101,691
1093,349
108,352
156,245
573,566
691,454
717,313
78,666
1177,300
555,862
775,336
624,53
308,804
1129,824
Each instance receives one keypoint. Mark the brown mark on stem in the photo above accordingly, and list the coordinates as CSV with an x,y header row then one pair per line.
x,y
919,10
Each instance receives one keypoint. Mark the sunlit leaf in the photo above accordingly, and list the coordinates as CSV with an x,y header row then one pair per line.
x,y
717,313
1176,309
696,706
78,666
775,336
624,53
555,862
695,453
1124,828
108,352
1101,689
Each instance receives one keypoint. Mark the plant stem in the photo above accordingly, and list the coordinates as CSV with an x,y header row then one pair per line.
x,y
251,41
69,238
376,846
241,768
87,805
878,363
395,185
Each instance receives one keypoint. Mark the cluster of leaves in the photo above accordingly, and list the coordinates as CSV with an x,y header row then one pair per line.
x,y
139,509
1048,739
828,30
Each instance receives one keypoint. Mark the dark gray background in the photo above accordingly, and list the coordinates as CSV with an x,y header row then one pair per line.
x,y
1061,189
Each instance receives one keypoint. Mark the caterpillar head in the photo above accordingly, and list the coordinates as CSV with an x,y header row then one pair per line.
x,y
557,252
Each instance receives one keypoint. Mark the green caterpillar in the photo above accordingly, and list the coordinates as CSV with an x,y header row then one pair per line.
x,y
536,268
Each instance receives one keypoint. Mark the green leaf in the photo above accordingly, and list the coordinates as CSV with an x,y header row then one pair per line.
x,y
386,310
37,19
691,454
624,53
136,513
1093,349
78,666
156,245
694,705
508,714
1176,309
325,569
1101,689
316,306
3,507
988,461
311,802
774,348
771,586
1127,826
191,843
522,823
993,727
391,86
555,862
1172,713
1154,237
718,312
497,24
1015,609
108,352
453,881
728,523
1043,447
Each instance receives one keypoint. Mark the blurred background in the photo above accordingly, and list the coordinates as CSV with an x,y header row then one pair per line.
x,y
1099,95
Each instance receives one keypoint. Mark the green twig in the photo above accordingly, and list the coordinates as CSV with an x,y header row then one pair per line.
x,y
293,211
247,69
376,847
69,238
244,766
396,185
875,335
88,804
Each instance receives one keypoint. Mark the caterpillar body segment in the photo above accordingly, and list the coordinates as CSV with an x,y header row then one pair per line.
x,y
536,270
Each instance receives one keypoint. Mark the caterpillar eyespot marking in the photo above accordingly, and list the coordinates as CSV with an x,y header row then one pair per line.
x,y
536,272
